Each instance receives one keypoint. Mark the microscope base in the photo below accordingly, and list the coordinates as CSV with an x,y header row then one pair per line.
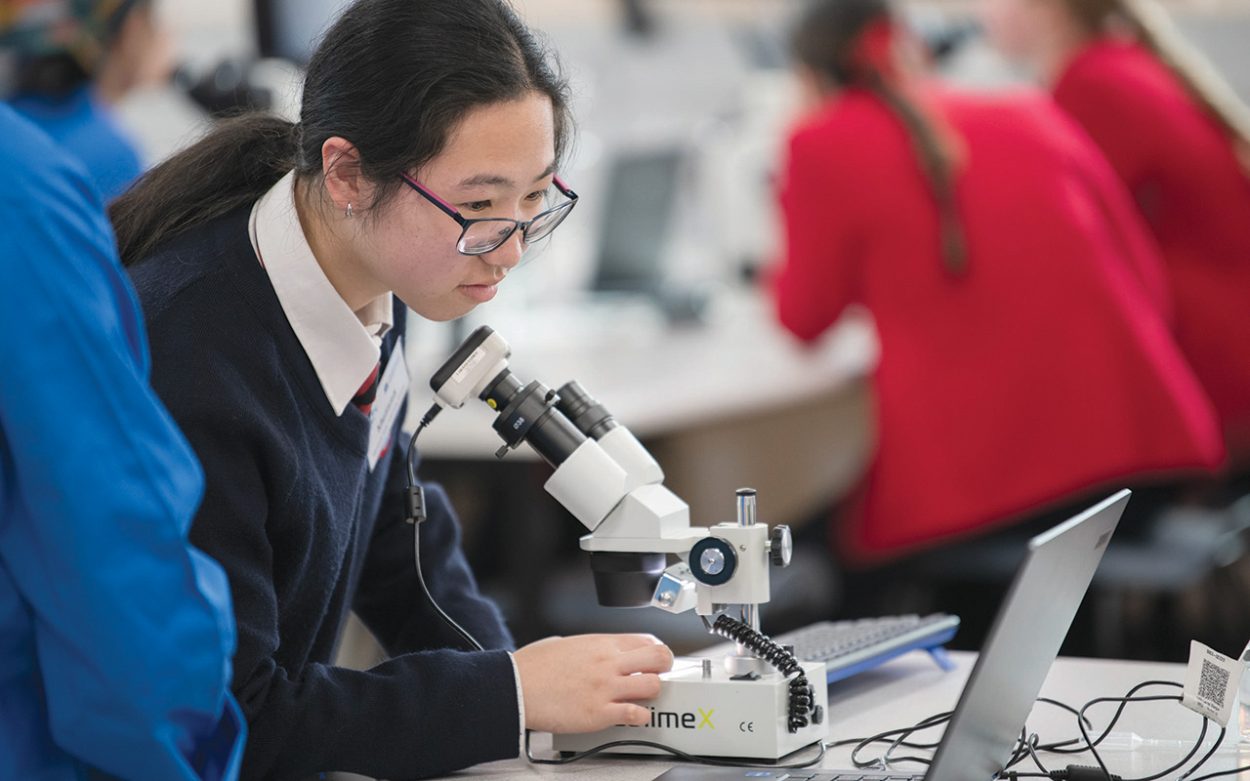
x,y
716,716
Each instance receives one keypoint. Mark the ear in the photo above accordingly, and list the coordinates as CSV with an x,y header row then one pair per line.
x,y
340,160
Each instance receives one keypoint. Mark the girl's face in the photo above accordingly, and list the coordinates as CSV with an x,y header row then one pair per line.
x,y
1014,26
499,162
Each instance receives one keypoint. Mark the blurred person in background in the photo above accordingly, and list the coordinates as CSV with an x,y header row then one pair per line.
x,y
1026,359
1179,137
75,60
115,634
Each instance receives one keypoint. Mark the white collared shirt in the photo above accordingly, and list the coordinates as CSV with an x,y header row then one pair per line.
x,y
344,346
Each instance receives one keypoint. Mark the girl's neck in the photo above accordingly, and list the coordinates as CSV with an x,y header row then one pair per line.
x,y
333,253
1057,49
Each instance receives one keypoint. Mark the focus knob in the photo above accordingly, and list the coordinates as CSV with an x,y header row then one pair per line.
x,y
780,546
713,561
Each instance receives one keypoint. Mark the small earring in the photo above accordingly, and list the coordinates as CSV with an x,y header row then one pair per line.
x,y
348,211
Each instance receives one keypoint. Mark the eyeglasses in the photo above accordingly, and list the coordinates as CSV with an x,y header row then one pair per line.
x,y
480,236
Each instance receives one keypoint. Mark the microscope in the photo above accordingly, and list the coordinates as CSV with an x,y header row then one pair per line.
x,y
758,701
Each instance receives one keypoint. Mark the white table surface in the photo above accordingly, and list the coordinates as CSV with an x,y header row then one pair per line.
x,y
911,688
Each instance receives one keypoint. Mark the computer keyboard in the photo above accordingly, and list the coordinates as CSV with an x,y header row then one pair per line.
x,y
735,774
851,647
806,775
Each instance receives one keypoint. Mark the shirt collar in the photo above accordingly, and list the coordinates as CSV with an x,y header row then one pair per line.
x,y
343,346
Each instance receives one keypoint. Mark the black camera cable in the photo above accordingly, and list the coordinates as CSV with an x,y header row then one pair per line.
x,y
415,505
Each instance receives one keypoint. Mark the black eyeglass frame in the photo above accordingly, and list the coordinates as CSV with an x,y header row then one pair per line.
x,y
559,212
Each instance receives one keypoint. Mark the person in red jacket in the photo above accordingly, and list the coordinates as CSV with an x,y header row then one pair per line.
x,y
1026,358
1180,138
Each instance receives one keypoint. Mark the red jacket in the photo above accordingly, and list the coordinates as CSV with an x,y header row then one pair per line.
x,y
1180,165
1045,371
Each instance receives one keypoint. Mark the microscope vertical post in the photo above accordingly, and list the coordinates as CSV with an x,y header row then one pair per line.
x,y
748,516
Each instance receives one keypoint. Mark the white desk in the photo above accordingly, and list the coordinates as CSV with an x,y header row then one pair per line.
x,y
653,377
911,688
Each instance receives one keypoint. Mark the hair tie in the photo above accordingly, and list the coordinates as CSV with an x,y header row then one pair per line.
x,y
874,52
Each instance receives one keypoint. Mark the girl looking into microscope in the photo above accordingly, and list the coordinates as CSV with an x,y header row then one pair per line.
x,y
274,261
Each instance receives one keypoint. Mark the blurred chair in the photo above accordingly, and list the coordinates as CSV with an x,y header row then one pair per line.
x,y
1142,603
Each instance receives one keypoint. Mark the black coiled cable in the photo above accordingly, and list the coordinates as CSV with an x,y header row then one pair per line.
x,y
802,705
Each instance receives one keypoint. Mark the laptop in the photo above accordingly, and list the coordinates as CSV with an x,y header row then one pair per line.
x,y
642,192
1009,673
291,29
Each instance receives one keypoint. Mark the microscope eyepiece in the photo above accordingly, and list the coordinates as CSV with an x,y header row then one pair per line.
x,y
590,417
529,413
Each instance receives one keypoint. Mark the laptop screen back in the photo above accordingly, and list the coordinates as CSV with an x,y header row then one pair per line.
x,y
1023,644
290,29
642,192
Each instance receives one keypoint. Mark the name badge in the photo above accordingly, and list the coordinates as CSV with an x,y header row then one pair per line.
x,y
392,390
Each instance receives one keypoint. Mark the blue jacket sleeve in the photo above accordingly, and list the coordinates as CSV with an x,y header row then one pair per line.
x,y
133,626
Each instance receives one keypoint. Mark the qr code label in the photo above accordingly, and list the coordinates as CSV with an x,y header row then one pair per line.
x,y
1214,684
1210,681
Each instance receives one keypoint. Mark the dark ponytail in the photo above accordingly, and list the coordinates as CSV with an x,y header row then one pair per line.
x,y
849,43
231,167
393,77
937,161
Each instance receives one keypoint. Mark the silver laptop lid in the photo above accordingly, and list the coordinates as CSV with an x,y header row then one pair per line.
x,y
1023,644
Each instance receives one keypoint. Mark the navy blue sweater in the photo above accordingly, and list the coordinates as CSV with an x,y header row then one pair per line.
x,y
307,533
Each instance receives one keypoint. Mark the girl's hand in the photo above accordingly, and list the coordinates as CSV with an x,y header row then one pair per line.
x,y
590,682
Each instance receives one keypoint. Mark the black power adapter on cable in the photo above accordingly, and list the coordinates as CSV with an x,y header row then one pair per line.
x,y
1069,773
1082,773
